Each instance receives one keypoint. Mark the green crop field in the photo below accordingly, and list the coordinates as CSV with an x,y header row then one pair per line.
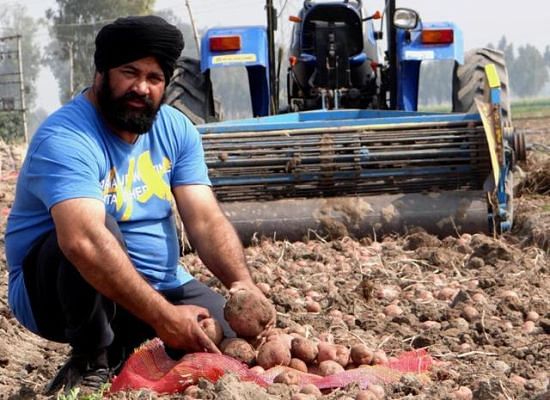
x,y
523,108
531,108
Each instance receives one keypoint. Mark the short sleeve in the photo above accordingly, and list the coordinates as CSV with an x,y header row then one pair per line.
x,y
189,166
64,167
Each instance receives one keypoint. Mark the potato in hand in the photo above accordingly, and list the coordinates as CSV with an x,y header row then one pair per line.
x,y
249,313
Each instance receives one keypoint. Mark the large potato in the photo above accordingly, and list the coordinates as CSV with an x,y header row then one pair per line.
x,y
248,313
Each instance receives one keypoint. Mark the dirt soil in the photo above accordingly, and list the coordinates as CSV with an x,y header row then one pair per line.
x,y
481,305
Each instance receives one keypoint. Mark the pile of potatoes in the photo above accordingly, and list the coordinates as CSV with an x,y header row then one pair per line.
x,y
261,347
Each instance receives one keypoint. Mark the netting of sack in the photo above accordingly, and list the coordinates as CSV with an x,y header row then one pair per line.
x,y
151,368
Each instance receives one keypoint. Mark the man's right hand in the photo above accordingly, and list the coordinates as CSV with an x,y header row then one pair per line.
x,y
181,330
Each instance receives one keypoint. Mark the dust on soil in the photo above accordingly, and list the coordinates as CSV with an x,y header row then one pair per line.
x,y
481,305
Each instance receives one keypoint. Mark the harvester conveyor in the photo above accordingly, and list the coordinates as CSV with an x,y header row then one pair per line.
x,y
352,172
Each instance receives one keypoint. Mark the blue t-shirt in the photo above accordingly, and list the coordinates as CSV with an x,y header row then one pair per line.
x,y
74,155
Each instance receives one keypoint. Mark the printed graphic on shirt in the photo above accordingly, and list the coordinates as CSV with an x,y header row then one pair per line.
x,y
143,181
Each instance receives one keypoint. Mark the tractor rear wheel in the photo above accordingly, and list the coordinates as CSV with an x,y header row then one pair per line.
x,y
469,81
190,91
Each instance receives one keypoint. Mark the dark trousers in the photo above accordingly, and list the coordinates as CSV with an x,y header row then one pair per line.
x,y
69,310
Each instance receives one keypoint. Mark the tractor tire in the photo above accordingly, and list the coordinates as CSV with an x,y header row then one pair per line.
x,y
469,82
190,91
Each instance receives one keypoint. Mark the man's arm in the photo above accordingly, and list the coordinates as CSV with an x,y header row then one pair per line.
x,y
100,259
213,235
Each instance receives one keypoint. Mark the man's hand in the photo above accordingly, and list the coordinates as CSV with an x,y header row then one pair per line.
x,y
245,285
183,331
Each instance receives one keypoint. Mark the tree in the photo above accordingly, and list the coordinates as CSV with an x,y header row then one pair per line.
x,y
507,49
11,127
74,25
190,48
547,55
528,72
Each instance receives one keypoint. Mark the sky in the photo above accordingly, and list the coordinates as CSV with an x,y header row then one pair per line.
x,y
482,22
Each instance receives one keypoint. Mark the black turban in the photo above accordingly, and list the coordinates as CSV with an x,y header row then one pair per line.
x,y
131,38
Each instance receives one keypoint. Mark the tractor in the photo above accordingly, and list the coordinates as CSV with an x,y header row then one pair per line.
x,y
350,154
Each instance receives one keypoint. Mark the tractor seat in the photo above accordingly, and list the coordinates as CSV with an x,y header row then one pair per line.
x,y
341,22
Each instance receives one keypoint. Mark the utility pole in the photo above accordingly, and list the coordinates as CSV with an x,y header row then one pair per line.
x,y
271,28
194,27
71,70
22,88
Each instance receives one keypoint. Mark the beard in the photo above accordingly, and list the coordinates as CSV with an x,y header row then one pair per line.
x,y
121,115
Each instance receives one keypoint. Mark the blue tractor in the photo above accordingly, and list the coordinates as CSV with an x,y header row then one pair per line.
x,y
349,154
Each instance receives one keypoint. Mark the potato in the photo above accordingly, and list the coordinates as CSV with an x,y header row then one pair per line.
x,y
392,310
248,313
532,316
329,367
362,355
288,377
272,334
326,337
528,327
313,306
273,353
469,313
213,329
257,369
518,380
264,287
304,349
462,393
334,352
377,390
239,349
284,338
380,358
297,364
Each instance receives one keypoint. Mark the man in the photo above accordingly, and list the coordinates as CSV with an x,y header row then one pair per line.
x,y
91,243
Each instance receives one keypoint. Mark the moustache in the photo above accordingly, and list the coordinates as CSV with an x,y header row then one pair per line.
x,y
134,96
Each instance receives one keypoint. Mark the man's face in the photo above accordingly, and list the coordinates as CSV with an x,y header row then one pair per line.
x,y
130,95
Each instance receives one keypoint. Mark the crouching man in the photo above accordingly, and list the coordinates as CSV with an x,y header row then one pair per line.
x,y
91,242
